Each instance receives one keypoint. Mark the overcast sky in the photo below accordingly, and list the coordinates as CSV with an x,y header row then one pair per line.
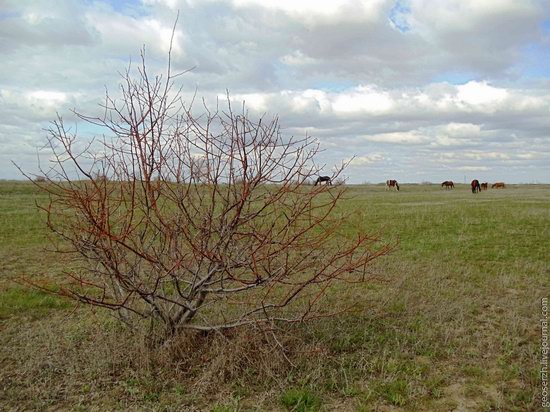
x,y
416,90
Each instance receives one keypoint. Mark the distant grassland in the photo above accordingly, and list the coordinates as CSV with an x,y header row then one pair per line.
x,y
452,321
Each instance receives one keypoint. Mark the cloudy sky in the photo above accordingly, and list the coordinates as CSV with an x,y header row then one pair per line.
x,y
416,90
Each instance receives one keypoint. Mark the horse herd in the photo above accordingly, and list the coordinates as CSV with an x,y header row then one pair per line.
x,y
478,187
448,184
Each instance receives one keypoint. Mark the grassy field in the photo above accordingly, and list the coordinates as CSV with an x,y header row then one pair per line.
x,y
451,324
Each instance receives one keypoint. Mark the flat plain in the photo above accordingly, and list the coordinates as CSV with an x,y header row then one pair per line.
x,y
450,320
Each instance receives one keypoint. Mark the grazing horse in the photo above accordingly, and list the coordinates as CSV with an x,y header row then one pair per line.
x,y
322,179
484,186
498,185
475,186
392,183
448,184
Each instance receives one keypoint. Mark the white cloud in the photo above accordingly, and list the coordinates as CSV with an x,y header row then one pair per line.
x,y
48,98
530,155
461,130
480,94
310,100
254,101
406,138
473,168
486,155
297,58
172,4
312,9
119,32
367,160
362,99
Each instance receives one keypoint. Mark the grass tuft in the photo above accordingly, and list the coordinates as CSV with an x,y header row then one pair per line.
x,y
300,400
395,392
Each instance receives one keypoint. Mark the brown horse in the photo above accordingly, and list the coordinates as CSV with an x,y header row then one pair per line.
x,y
498,185
448,184
484,186
475,186
392,183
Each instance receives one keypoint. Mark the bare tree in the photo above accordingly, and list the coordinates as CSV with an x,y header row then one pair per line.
x,y
196,221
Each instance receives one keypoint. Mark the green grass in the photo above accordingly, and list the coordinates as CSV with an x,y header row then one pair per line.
x,y
451,322
395,392
300,400
17,301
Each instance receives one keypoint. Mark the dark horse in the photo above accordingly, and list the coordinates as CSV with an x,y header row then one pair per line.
x,y
392,183
322,179
448,184
484,186
475,186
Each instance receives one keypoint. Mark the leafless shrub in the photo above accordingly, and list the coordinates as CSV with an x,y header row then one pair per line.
x,y
100,177
205,222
